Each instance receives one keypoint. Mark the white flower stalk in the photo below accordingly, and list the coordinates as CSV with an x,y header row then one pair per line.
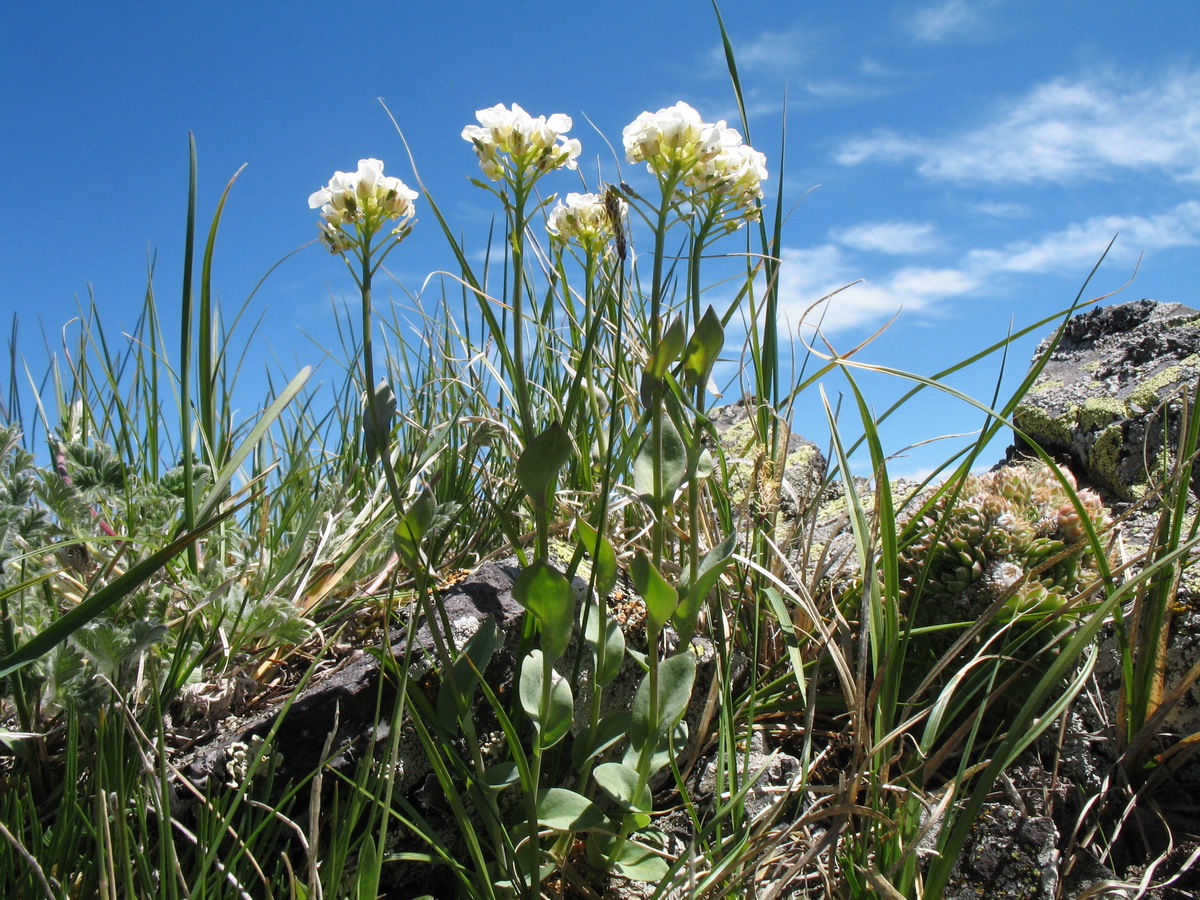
x,y
532,146
672,139
586,220
709,160
362,201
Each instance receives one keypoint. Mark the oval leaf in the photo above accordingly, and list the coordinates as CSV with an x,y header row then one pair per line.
x,y
619,782
703,349
668,349
676,674
552,722
601,632
660,598
674,464
539,462
564,810
547,595
695,586
604,557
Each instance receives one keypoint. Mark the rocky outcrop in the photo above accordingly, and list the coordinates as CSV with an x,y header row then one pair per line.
x,y
1102,403
793,479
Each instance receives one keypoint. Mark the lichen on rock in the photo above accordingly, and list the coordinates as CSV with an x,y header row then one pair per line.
x,y
1098,402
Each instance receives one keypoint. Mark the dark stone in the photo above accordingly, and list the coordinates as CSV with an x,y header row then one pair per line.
x,y
1008,856
1101,401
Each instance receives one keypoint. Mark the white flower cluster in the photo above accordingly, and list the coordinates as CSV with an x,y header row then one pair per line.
x,y
366,197
531,144
587,219
708,158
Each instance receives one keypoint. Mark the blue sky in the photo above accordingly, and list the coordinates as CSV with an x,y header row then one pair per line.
x,y
969,160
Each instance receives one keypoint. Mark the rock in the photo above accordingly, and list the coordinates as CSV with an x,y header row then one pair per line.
x,y
334,721
1008,856
1097,403
793,479
348,693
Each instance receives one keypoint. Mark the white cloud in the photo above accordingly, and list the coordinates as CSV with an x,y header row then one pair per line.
x,y
809,274
1000,210
811,61
948,19
770,50
1080,245
1062,130
890,237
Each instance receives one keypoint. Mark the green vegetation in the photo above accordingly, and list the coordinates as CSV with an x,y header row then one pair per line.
x,y
170,564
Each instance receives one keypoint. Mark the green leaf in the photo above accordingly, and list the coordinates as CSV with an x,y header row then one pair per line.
x,y
668,350
554,725
670,746
548,596
604,557
501,775
703,349
674,464
694,588
540,461
102,600
612,728
379,409
412,528
564,810
660,598
601,627
676,675
640,863
620,783
367,883
459,681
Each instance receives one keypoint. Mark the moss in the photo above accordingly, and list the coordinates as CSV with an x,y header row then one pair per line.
x,y
742,447
561,553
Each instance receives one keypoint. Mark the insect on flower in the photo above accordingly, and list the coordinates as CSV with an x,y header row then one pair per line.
x,y
613,209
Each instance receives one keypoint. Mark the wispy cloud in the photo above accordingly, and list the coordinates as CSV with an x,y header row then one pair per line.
x,y
778,50
1000,210
811,61
1081,244
896,238
1060,131
809,274
948,19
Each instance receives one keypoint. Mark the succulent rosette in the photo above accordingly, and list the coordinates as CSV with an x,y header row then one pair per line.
x,y
1014,533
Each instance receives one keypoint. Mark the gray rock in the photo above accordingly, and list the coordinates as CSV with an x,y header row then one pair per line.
x,y
1098,402
1008,856
792,480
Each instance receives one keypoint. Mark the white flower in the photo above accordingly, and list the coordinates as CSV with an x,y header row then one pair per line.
x,y
586,219
366,197
708,159
674,136
531,144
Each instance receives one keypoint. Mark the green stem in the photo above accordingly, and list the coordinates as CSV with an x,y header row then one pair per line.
x,y
520,379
